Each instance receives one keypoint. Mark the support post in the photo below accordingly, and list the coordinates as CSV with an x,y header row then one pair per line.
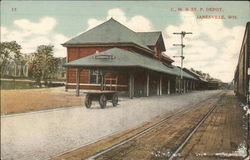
x,y
102,80
147,85
180,85
189,89
131,85
176,84
168,86
78,71
66,84
185,86
160,84
157,89
191,83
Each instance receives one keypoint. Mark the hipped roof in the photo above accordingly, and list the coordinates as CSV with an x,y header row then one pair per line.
x,y
123,58
109,32
113,32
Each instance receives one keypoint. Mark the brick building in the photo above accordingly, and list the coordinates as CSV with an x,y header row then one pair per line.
x,y
111,56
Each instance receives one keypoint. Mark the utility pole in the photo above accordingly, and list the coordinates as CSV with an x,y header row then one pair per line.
x,y
182,33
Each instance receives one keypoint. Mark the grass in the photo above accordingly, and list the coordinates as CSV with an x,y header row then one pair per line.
x,y
26,100
22,84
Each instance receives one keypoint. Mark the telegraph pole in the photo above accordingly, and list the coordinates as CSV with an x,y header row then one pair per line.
x,y
182,33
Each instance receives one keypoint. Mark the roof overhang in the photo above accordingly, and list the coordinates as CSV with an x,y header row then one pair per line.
x,y
109,45
125,59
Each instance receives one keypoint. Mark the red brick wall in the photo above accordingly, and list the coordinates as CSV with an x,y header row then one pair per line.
x,y
75,53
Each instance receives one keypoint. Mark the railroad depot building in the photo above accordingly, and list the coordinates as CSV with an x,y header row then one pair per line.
x,y
111,56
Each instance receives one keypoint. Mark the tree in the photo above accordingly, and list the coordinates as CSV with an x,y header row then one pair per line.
x,y
43,65
202,74
192,69
10,51
208,77
199,72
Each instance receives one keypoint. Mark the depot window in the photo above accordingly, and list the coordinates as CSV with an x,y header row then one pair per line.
x,y
95,77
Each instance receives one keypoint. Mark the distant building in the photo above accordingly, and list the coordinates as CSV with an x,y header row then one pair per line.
x,y
21,69
61,73
214,84
206,84
14,69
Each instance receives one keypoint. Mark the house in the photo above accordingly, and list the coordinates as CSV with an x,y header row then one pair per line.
x,y
111,56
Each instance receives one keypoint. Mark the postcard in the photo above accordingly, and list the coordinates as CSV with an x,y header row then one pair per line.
x,y
124,80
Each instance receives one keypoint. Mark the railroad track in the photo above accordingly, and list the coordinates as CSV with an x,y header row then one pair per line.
x,y
178,114
192,133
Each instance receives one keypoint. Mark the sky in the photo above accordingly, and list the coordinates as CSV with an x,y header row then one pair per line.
x,y
213,46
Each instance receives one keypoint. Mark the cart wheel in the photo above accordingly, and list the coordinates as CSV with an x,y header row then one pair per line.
x,y
115,100
103,101
88,101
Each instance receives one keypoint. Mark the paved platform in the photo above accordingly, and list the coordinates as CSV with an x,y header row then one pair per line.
x,y
42,135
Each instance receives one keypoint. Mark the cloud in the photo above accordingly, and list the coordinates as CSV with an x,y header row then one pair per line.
x,y
93,22
137,23
212,47
59,50
3,30
44,26
32,34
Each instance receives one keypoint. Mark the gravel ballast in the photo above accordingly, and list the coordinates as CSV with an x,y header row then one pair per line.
x,y
45,134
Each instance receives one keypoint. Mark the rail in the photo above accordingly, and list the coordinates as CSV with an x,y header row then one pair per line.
x,y
183,111
192,133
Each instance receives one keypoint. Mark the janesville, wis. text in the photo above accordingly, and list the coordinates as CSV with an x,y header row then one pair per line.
x,y
206,13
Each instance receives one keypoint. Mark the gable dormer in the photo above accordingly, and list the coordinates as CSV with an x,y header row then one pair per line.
x,y
154,41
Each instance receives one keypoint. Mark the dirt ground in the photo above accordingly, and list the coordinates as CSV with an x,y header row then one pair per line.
x,y
156,144
222,136
25,100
